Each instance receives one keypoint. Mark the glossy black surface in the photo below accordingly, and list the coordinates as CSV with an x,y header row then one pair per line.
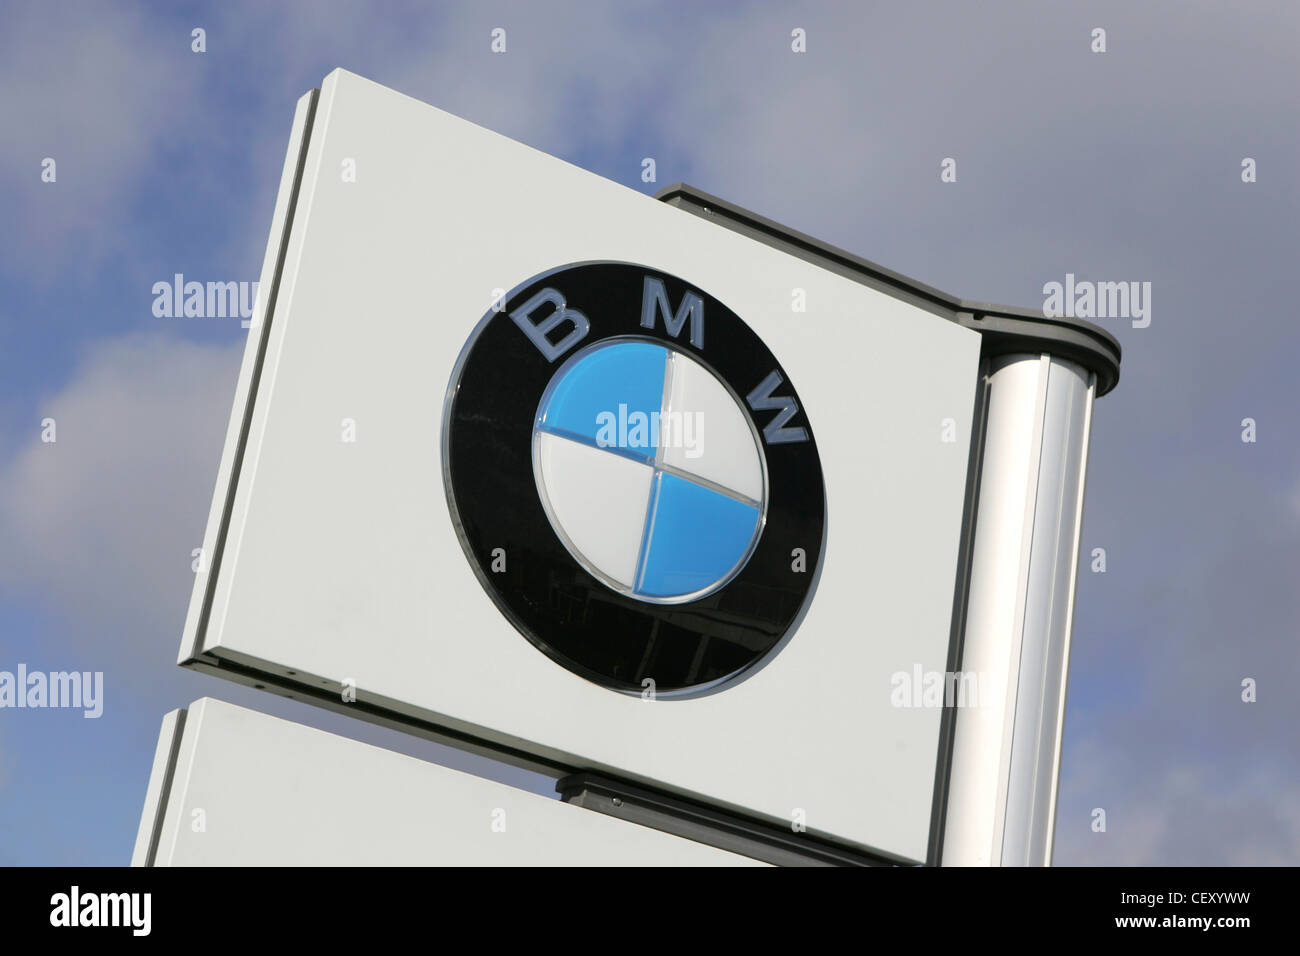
x,y
609,638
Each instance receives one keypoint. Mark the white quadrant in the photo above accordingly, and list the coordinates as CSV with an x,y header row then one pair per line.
x,y
597,499
715,439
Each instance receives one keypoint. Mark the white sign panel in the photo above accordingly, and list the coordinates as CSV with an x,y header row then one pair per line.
x,y
526,455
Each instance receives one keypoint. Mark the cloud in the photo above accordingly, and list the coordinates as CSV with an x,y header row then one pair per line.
x,y
102,92
1185,813
99,524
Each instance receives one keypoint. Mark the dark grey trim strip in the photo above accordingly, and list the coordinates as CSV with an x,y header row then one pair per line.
x,y
164,795
961,598
383,712
713,824
219,547
1004,329
1061,338
708,825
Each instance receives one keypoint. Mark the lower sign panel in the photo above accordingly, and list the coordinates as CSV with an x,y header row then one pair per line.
x,y
232,787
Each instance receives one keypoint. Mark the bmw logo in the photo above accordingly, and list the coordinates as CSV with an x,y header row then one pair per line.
x,y
633,478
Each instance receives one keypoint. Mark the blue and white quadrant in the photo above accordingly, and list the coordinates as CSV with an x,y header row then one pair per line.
x,y
649,470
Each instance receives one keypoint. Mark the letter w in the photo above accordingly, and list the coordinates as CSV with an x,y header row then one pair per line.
x,y
762,400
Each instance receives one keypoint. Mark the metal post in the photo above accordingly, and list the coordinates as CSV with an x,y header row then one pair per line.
x,y
1006,750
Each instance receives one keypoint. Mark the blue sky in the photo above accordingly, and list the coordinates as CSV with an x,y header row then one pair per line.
x,y
1116,166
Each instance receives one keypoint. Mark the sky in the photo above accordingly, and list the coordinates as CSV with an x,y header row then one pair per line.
x,y
1116,165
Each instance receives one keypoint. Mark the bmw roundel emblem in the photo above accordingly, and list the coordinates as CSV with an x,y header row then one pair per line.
x,y
633,478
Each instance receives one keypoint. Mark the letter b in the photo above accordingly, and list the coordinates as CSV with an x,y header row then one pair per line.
x,y
538,332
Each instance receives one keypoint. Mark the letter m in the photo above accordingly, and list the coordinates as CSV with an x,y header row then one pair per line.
x,y
223,299
761,399
66,687
654,299
115,909
1115,297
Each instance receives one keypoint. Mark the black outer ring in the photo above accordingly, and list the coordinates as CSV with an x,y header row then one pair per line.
x,y
609,638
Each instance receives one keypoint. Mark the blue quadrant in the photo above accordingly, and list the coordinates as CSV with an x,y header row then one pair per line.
x,y
696,538
630,374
